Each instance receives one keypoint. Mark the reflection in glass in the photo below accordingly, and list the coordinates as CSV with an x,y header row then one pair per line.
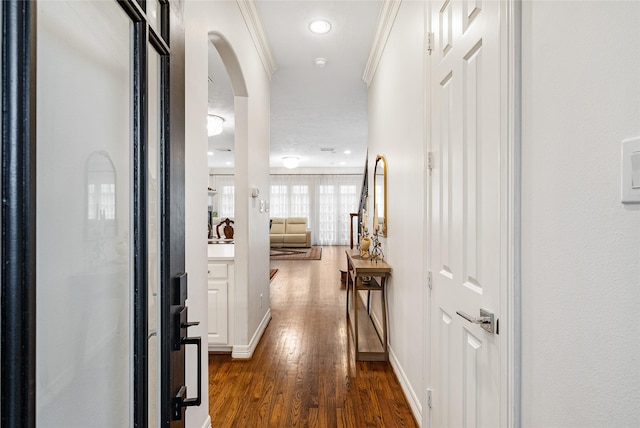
x,y
101,196
153,14
83,242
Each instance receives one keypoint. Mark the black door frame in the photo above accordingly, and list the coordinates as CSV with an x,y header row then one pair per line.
x,y
18,299
18,175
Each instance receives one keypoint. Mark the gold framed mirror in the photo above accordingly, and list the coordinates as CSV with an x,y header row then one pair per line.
x,y
380,196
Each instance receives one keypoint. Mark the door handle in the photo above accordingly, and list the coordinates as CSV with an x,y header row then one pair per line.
x,y
180,338
486,320
180,400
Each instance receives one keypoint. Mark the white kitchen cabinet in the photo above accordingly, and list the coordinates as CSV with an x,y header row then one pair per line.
x,y
220,286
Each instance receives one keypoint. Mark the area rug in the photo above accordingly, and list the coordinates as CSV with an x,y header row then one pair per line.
x,y
272,273
313,253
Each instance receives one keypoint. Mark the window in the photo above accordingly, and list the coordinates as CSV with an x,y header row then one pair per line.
x,y
325,200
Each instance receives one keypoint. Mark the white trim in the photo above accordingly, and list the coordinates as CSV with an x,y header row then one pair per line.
x,y
387,17
207,422
426,296
251,17
246,351
220,348
409,393
510,225
513,350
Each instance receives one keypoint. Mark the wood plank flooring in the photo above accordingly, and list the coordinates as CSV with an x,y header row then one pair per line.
x,y
303,371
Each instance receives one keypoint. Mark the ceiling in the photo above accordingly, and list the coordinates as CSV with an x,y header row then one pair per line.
x,y
317,113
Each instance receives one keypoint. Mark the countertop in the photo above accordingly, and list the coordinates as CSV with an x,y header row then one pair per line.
x,y
220,251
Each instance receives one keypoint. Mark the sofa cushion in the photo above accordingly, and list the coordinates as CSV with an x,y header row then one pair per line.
x,y
277,226
296,225
278,238
295,238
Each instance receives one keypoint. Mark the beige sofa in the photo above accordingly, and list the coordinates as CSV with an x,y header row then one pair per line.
x,y
289,232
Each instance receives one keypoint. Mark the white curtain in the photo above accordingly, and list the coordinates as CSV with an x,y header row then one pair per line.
x,y
225,185
325,200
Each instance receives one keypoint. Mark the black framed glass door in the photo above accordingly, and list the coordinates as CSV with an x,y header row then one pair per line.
x,y
89,247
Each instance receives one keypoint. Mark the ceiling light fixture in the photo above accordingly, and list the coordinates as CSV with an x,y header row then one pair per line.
x,y
320,62
290,162
347,152
210,153
320,26
214,125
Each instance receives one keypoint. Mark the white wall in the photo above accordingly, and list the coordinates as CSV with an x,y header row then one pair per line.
x,y
580,245
251,168
396,118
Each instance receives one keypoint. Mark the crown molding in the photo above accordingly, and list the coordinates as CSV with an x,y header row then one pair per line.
x,y
251,17
387,17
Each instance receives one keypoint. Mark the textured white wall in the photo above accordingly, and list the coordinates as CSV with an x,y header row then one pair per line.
x,y
581,246
396,120
251,167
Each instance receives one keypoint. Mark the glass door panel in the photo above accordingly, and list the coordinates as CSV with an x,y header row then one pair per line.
x,y
84,213
154,184
154,11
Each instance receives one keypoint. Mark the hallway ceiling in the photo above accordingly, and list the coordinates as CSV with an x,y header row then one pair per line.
x,y
317,113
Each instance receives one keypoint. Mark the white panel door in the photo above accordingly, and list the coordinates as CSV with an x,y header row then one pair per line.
x,y
465,211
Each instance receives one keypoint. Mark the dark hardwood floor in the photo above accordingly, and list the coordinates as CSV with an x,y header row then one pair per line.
x,y
303,371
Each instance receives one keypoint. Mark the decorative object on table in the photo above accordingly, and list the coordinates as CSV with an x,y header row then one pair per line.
x,y
365,241
365,244
376,249
227,230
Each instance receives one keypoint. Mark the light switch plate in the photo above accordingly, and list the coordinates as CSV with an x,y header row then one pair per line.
x,y
631,171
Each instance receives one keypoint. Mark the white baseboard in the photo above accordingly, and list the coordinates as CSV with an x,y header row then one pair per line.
x,y
247,351
412,398
220,348
207,422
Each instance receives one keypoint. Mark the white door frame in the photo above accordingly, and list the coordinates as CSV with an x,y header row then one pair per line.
x,y
510,302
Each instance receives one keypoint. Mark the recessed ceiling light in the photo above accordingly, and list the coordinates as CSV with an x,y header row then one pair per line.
x,y
320,62
347,152
228,163
210,153
320,26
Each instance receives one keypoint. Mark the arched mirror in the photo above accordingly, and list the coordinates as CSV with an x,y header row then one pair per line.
x,y
380,196
101,196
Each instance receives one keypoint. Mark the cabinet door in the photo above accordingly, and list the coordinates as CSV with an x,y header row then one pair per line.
x,y
218,313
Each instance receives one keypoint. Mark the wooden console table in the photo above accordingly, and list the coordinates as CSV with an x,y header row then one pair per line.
x,y
370,344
